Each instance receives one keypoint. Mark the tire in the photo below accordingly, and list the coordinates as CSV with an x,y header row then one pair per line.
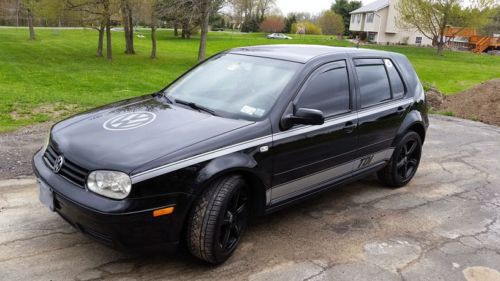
x,y
404,161
218,220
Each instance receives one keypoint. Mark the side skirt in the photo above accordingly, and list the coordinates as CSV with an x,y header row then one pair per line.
x,y
349,178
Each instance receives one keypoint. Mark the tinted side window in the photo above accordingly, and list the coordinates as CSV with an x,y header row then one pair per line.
x,y
327,90
373,84
398,88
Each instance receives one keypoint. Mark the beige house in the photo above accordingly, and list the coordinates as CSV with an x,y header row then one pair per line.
x,y
379,21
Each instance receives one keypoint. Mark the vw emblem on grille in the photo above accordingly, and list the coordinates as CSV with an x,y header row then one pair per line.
x,y
129,121
58,164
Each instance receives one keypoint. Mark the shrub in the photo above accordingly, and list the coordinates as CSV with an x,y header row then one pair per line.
x,y
272,24
305,27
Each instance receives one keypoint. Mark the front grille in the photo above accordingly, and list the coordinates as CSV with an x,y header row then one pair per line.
x,y
69,170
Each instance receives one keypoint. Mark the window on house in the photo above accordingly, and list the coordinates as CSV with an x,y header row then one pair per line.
x,y
358,18
352,18
369,17
371,36
418,40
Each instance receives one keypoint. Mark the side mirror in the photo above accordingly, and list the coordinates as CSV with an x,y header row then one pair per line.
x,y
304,116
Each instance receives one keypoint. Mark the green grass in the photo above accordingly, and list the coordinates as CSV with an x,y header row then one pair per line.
x,y
58,74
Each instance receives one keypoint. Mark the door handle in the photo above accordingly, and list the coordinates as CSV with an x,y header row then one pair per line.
x,y
400,110
350,126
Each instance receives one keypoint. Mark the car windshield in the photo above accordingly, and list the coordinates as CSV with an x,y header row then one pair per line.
x,y
236,86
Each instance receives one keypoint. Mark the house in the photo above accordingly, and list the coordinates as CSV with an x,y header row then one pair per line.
x,y
379,21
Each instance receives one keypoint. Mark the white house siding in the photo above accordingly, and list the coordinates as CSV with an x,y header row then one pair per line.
x,y
384,29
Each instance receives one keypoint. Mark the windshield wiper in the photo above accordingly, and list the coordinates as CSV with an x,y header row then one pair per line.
x,y
196,106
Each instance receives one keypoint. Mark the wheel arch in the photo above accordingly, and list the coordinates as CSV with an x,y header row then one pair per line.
x,y
239,164
412,122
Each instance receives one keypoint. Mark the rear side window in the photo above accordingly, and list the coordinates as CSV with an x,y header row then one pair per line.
x,y
327,90
379,81
373,84
398,88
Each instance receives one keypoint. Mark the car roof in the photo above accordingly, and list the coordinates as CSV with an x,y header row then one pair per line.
x,y
300,53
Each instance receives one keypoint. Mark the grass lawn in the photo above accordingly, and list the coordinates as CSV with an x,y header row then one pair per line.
x,y
58,74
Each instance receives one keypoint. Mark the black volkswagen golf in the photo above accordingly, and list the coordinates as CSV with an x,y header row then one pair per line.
x,y
247,132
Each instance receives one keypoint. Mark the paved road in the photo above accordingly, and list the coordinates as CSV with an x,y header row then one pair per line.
x,y
444,226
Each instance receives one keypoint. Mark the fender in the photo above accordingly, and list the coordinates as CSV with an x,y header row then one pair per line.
x,y
238,162
412,120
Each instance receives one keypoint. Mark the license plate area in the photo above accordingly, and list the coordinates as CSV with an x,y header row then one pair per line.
x,y
46,195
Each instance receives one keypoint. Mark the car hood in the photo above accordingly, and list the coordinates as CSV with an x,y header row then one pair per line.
x,y
125,135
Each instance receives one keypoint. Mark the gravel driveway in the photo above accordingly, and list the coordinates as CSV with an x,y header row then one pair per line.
x,y
444,226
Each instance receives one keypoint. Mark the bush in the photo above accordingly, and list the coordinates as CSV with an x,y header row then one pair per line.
x,y
331,23
305,27
272,24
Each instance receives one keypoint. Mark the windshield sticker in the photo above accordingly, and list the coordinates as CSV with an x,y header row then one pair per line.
x,y
248,110
259,112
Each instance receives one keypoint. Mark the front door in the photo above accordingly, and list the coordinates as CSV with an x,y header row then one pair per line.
x,y
307,157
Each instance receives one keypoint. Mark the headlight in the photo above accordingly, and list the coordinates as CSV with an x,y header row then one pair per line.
x,y
111,184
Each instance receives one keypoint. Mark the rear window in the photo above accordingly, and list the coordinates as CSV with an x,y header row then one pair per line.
x,y
374,84
379,81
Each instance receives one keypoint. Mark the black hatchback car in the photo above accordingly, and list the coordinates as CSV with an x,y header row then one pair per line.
x,y
246,132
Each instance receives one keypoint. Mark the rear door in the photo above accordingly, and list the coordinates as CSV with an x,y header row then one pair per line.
x,y
306,157
382,106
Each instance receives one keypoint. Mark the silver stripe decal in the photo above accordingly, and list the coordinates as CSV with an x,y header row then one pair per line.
x,y
199,158
259,141
296,187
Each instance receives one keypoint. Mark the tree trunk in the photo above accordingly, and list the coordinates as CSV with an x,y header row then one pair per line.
x,y
153,41
109,54
131,28
204,34
101,39
129,45
18,10
30,24
176,29
441,42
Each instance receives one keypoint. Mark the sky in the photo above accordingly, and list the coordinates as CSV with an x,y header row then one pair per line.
x,y
311,6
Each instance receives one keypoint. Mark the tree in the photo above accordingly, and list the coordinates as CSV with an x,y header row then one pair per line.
x,y
272,24
30,6
263,6
343,8
205,9
432,17
97,11
149,12
331,23
493,24
289,21
128,25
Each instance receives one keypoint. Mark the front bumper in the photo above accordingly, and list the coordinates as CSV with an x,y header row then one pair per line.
x,y
124,224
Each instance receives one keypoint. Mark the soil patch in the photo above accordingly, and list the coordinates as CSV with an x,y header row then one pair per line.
x,y
479,103
17,148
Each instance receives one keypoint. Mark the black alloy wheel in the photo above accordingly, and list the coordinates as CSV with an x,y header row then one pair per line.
x,y
218,219
404,162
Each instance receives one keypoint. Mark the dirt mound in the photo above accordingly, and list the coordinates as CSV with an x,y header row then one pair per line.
x,y
480,103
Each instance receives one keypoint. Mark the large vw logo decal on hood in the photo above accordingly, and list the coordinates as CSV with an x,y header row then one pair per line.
x,y
129,121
